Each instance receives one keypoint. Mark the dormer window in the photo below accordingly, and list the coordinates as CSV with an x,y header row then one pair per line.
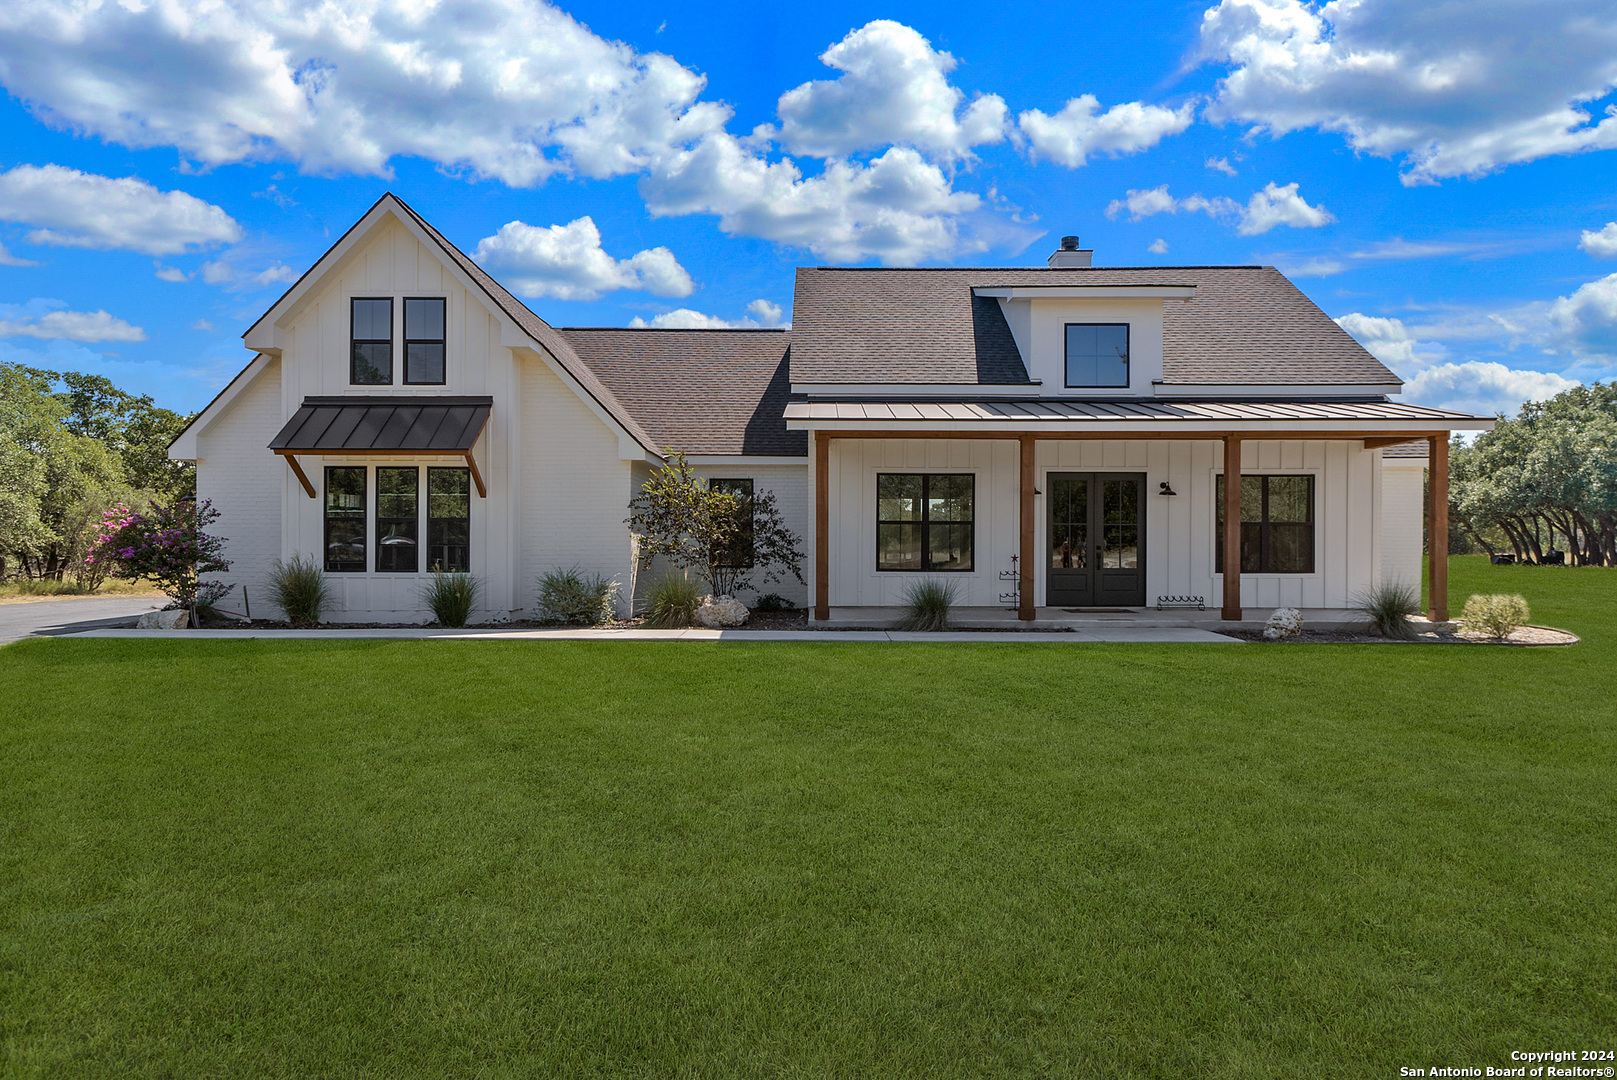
x,y
1097,354
424,340
371,341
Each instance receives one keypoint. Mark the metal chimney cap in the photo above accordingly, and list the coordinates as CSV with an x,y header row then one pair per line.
x,y
1069,243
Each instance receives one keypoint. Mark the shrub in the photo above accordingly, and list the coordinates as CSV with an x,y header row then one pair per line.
x,y
927,605
673,602
773,602
570,597
451,597
1497,615
166,544
299,588
1387,608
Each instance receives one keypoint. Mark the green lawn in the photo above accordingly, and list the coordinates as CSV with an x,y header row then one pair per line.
x,y
436,859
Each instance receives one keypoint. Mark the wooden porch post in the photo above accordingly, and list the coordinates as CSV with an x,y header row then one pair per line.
x,y
1027,602
822,529
1437,536
1232,528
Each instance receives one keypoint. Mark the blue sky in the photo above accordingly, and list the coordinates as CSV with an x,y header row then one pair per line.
x,y
1438,177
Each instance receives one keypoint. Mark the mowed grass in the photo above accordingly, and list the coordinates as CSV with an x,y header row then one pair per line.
x,y
447,859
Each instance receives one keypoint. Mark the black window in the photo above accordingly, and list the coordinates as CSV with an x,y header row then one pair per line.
x,y
371,336
396,516
740,555
1097,354
345,519
449,520
1277,525
423,340
924,521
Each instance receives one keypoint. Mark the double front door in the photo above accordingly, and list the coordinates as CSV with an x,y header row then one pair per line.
x,y
1096,548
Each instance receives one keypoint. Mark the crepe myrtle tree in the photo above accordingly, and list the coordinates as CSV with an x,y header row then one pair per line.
x,y
167,545
725,537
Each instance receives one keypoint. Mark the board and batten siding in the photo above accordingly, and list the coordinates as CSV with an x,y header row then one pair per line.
x,y
1179,529
1403,522
248,485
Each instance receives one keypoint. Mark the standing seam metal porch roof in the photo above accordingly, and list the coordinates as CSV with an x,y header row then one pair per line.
x,y
1128,410
405,425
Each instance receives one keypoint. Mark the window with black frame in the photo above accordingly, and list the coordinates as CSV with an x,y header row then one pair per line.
x,y
370,341
740,553
345,519
1277,524
396,517
1097,354
924,521
423,340
449,520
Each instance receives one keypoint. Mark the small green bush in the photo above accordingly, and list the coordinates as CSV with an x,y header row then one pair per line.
x,y
571,597
299,588
451,597
927,605
773,602
1496,615
673,602
1388,606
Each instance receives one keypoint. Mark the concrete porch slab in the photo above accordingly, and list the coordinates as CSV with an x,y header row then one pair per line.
x,y
1089,635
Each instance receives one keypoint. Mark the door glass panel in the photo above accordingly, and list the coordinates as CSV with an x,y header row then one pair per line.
x,y
1121,540
1069,522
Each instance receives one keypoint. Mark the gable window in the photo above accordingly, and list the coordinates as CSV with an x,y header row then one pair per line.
x,y
1277,525
370,341
396,519
345,519
740,554
1097,354
924,521
423,340
449,520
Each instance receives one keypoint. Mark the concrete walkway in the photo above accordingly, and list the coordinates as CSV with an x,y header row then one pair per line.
x,y
1152,635
70,614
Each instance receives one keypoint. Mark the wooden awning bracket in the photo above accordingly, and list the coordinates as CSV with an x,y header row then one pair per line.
x,y
477,477
303,477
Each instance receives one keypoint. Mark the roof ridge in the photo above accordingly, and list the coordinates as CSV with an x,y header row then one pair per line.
x,y
684,329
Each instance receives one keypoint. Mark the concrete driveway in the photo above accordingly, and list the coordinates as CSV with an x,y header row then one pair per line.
x,y
71,614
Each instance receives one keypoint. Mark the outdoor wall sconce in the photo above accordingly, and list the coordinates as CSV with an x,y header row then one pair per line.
x,y
1166,490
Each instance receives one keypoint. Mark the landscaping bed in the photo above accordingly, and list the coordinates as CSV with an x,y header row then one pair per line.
x,y
1521,636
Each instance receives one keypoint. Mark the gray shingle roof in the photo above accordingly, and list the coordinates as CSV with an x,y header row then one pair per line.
x,y
698,391
1246,325
1417,450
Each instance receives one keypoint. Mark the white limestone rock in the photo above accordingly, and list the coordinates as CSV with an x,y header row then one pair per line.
x,y
171,619
1284,623
719,612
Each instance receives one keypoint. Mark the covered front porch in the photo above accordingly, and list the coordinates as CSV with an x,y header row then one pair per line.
x,y
1050,514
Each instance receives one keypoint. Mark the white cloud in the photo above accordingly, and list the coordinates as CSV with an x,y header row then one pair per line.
x,y
1274,205
61,325
1158,246
568,262
1220,164
8,259
893,90
225,272
202,324
1080,129
1314,267
1602,243
1387,339
171,274
1586,321
511,89
76,209
1482,387
1454,89
762,315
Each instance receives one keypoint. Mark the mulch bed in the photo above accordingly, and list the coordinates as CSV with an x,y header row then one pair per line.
x,y
1524,636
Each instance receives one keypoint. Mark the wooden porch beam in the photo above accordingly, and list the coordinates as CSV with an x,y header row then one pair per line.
x,y
1027,606
822,527
1141,436
1232,528
1437,535
303,478
477,477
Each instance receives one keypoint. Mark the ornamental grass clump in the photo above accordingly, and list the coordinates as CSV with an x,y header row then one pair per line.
x,y
1388,607
568,596
927,605
673,603
299,588
451,597
1497,615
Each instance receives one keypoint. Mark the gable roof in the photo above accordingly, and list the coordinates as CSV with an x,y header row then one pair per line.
x,y
1246,325
699,391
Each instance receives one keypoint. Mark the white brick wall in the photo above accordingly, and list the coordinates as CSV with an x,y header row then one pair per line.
x,y
248,485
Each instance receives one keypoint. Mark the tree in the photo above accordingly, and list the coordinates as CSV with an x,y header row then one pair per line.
x,y
679,518
169,546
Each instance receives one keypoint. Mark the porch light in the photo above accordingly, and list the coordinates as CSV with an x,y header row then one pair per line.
x,y
1164,489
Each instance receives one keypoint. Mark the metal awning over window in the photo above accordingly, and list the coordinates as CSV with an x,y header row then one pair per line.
x,y
396,426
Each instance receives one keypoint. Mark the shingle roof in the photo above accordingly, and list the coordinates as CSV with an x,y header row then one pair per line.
x,y
699,391
1246,325
1417,450
405,424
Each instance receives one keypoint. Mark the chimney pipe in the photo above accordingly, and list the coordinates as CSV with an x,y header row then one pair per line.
x,y
1069,243
1070,255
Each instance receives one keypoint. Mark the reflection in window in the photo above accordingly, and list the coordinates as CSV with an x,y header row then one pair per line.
x,y
449,520
345,519
1277,525
371,342
1120,526
1097,354
740,554
924,521
396,514
424,340
1069,522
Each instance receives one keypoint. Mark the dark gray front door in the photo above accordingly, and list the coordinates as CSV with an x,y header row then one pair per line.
x,y
1096,530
